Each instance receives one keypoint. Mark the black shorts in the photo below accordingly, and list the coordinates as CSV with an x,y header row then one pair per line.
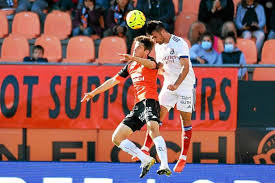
x,y
143,112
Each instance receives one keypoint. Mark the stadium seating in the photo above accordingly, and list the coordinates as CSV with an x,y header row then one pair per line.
x,y
191,6
4,28
26,24
248,47
268,52
52,47
183,22
14,48
58,24
264,74
80,49
109,49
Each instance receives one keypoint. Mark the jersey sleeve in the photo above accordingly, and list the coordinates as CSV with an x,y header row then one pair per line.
x,y
182,49
123,73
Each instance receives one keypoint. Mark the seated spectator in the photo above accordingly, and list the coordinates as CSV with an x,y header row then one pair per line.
x,y
214,13
228,27
37,55
231,54
99,3
271,34
162,10
87,20
66,5
37,6
116,18
195,31
268,6
6,4
203,53
250,20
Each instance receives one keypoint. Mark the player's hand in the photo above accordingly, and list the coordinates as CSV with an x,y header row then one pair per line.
x,y
87,96
126,58
172,87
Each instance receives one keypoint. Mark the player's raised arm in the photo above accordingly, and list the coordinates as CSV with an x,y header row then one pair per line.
x,y
105,86
185,69
146,62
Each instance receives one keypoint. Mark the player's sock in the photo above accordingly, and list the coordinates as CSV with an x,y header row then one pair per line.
x,y
129,147
161,150
186,139
147,143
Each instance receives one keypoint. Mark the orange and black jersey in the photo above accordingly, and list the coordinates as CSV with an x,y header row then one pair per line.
x,y
144,80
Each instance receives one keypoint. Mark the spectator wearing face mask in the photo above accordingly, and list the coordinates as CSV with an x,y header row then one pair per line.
x,y
203,52
250,21
231,54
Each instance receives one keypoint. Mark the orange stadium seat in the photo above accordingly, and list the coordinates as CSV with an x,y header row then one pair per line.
x,y
15,48
191,6
80,49
264,74
268,52
4,28
109,49
58,24
26,24
183,22
52,47
176,6
248,47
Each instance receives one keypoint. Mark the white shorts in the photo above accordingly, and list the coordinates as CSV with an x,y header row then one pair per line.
x,y
185,99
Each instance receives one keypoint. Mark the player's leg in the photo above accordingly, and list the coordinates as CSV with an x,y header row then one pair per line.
x,y
185,106
148,140
153,129
119,138
167,100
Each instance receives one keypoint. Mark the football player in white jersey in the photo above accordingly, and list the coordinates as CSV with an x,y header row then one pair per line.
x,y
172,54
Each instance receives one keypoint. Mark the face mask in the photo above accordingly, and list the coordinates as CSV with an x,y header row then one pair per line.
x,y
228,48
206,45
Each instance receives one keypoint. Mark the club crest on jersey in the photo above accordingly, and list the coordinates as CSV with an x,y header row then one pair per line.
x,y
172,52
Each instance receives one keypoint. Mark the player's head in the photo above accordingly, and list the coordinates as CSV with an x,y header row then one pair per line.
x,y
143,46
156,29
37,52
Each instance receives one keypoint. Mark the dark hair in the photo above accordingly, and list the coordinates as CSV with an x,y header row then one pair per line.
x,y
243,3
147,42
207,34
154,25
38,47
231,35
94,1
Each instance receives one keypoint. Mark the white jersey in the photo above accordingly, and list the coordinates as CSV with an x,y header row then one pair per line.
x,y
169,55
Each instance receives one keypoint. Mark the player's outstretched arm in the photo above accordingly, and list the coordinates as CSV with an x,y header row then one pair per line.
x,y
146,62
102,88
185,69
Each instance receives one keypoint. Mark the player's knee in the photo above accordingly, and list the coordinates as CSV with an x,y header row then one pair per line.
x,y
116,139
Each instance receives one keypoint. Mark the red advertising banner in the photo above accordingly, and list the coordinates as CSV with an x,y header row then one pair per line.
x,y
48,96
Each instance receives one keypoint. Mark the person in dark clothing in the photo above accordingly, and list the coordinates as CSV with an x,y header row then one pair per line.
x,y
162,10
271,34
250,21
37,55
66,5
116,18
231,54
6,4
87,20
268,6
214,13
